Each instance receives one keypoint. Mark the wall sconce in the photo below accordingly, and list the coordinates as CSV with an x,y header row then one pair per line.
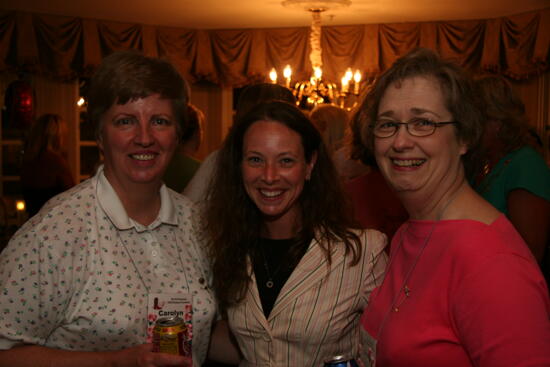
x,y
21,214
20,205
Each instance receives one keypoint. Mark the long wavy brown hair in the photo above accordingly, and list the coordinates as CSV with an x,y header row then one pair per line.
x,y
233,222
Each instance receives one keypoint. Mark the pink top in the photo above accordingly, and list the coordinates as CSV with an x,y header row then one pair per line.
x,y
477,298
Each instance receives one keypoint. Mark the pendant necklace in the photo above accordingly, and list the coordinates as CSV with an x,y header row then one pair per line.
x,y
269,283
405,289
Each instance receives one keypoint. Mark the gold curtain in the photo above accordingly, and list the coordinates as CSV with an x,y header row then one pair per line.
x,y
66,47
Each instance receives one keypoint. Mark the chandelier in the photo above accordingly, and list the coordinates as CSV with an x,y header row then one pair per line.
x,y
317,90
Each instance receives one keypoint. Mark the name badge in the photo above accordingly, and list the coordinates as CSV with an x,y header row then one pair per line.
x,y
169,305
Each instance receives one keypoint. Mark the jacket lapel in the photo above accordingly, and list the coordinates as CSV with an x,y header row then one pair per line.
x,y
255,305
311,270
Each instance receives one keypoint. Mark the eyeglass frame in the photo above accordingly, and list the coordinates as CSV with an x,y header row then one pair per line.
x,y
435,125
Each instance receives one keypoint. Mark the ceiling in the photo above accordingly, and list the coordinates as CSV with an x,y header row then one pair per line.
x,y
234,14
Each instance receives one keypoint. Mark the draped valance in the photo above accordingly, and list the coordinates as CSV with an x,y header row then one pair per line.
x,y
68,47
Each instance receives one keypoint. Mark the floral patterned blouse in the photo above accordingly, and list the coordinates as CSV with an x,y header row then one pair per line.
x,y
77,275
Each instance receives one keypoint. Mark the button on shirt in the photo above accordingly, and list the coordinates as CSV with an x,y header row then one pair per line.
x,y
77,275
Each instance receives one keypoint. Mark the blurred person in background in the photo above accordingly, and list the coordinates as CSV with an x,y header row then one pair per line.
x,y
374,203
333,124
45,171
184,165
514,178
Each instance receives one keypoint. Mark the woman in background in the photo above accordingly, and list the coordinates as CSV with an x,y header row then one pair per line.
x,y
184,165
515,178
45,171
333,124
462,289
374,203
290,274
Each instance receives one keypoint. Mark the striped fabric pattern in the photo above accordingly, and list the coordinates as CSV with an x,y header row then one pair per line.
x,y
316,315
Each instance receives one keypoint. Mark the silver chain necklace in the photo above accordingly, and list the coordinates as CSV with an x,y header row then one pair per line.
x,y
269,283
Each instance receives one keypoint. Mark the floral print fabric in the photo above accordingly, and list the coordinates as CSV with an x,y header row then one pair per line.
x,y
77,275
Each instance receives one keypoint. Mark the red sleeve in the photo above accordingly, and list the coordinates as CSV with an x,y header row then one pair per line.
x,y
501,313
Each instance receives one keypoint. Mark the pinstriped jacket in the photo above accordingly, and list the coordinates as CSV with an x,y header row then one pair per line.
x,y
316,314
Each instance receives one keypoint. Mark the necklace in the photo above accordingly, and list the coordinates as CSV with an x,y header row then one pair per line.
x,y
405,289
269,283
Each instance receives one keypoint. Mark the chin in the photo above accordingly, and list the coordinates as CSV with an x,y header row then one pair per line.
x,y
147,179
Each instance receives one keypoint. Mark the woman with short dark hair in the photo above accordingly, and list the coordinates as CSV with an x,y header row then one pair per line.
x,y
462,288
79,279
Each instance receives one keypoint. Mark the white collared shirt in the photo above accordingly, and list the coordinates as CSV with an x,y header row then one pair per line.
x,y
76,276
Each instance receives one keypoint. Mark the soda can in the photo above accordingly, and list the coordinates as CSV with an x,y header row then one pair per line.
x,y
169,336
341,361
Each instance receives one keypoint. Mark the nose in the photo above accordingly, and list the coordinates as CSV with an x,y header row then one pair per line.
x,y
270,173
402,139
144,136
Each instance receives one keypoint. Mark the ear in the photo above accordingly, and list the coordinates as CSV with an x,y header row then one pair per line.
x,y
463,148
99,142
311,165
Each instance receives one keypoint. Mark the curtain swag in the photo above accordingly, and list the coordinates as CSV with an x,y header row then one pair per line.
x,y
67,47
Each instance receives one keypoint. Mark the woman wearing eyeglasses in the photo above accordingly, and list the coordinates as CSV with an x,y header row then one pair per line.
x,y
461,288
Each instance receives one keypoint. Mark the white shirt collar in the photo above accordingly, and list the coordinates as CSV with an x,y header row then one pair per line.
x,y
111,204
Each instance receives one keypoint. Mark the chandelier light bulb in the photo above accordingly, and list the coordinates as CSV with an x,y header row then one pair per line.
x,y
357,79
345,84
273,75
349,74
357,76
318,73
287,72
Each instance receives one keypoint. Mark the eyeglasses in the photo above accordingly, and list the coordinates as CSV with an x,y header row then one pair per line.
x,y
415,127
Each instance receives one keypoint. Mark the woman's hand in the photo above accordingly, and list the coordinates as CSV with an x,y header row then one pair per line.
x,y
143,356
139,356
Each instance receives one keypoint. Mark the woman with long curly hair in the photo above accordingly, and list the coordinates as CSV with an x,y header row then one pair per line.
x,y
291,275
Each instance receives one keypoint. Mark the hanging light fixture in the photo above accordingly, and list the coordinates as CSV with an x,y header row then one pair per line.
x,y
317,90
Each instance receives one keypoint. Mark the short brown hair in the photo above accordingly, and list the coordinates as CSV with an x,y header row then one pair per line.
x,y
458,92
128,75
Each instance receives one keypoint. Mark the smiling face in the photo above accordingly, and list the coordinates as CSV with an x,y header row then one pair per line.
x,y
274,171
412,164
138,140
